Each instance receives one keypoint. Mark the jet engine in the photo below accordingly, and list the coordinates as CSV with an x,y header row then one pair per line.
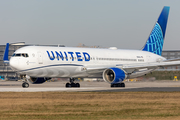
x,y
114,75
35,80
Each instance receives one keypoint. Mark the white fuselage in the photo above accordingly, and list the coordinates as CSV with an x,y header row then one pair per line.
x,y
73,62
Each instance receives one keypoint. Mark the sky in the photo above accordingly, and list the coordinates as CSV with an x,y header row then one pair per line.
x,y
125,24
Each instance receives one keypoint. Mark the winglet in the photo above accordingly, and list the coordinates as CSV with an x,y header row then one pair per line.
x,y
6,53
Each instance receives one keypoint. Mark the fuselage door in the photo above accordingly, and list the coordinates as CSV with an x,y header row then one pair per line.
x,y
148,58
40,58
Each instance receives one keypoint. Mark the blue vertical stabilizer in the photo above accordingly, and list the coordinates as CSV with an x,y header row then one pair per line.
x,y
6,54
155,41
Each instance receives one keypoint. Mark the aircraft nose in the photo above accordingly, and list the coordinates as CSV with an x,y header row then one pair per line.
x,y
14,63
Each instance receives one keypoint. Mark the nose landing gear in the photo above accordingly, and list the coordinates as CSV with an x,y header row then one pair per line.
x,y
25,83
72,84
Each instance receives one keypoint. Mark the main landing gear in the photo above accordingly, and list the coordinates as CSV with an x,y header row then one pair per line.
x,y
72,84
118,85
25,83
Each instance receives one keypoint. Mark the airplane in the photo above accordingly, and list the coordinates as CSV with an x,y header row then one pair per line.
x,y
38,64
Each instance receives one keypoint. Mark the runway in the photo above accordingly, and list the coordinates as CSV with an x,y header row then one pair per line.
x,y
150,86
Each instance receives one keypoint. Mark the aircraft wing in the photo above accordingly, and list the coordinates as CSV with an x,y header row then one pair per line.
x,y
175,59
151,65
131,67
96,69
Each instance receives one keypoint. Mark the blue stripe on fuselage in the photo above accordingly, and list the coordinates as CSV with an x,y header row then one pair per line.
x,y
49,66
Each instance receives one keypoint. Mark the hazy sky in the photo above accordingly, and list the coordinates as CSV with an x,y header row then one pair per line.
x,y
107,23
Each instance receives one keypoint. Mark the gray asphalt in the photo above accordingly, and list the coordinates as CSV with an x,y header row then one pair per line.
x,y
151,86
146,89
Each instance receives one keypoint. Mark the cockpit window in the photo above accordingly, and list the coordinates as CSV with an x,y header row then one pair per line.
x,y
13,55
20,55
23,54
26,55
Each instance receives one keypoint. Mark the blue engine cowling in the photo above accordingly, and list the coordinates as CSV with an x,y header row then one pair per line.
x,y
40,80
114,75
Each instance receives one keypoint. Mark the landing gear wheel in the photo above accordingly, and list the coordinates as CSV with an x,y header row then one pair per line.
x,y
68,85
113,85
25,85
118,85
72,84
122,85
77,85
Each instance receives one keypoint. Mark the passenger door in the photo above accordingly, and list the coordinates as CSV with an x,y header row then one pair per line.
x,y
40,58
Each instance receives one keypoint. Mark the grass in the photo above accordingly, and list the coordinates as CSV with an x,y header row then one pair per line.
x,y
89,105
163,75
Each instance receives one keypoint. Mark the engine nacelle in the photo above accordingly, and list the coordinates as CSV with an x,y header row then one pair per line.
x,y
35,80
114,75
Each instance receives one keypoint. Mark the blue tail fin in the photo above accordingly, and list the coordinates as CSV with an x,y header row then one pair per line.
x,y
155,41
6,53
